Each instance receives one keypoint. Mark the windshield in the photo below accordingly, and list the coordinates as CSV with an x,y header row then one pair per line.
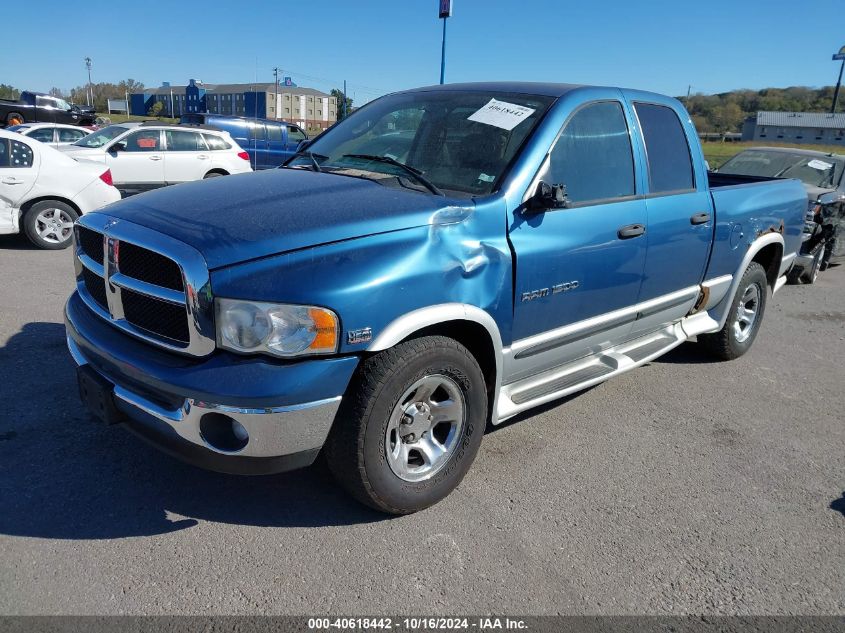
x,y
101,137
822,171
455,141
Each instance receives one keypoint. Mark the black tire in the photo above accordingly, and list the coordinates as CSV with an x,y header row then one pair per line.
x,y
794,277
732,341
14,118
812,275
357,450
34,226
213,174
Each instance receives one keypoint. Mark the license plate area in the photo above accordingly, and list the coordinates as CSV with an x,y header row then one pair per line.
x,y
97,394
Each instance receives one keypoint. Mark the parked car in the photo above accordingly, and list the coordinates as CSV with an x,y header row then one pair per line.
x,y
533,241
144,156
44,192
37,107
821,173
54,134
269,143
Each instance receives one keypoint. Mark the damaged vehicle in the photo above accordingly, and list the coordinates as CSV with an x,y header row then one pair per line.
x,y
823,239
443,259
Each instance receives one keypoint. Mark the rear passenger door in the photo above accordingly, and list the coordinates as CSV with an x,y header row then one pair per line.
x,y
680,222
577,265
186,156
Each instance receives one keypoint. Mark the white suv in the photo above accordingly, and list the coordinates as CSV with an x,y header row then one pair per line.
x,y
144,156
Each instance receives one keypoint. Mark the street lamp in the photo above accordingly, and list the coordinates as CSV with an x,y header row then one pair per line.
x,y
90,92
445,12
838,56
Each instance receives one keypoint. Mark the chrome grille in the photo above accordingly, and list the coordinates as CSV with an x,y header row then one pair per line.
x,y
147,284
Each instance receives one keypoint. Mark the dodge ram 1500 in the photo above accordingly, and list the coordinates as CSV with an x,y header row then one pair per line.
x,y
443,259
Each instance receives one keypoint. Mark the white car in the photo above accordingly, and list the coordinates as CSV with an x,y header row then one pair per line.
x,y
43,191
144,156
55,134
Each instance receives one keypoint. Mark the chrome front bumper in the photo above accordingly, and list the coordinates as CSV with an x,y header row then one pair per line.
x,y
274,433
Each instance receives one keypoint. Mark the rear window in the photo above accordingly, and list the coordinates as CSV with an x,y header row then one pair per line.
x,y
669,162
15,154
216,142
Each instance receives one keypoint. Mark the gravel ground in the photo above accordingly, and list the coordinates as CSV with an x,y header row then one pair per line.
x,y
686,486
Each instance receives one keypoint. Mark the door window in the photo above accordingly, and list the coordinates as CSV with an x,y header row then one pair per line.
x,y
181,141
70,136
295,135
143,141
43,134
667,149
593,156
15,154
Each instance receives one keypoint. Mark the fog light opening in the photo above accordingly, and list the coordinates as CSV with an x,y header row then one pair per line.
x,y
223,433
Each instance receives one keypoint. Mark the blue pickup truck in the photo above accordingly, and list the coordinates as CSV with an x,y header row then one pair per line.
x,y
443,259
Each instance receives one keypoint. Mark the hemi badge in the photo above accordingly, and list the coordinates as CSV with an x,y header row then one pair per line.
x,y
359,336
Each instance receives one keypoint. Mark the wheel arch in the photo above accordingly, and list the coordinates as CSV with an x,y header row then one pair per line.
x,y
26,206
216,170
471,326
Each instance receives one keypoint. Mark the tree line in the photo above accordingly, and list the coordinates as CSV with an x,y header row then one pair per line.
x,y
102,91
726,112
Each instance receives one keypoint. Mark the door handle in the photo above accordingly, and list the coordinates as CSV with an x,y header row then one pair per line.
x,y
155,157
700,218
12,181
632,230
202,157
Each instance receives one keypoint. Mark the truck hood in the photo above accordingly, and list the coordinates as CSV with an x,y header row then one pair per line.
x,y
248,216
813,193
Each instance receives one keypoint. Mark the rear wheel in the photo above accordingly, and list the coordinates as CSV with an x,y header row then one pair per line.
x,y
14,118
410,425
49,224
213,174
744,317
812,275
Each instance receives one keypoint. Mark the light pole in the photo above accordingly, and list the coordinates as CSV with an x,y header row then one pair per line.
x,y
838,56
90,92
445,12
276,94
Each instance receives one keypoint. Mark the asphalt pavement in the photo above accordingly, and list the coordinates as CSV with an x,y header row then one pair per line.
x,y
686,486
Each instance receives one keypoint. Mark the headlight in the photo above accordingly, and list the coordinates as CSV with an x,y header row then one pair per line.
x,y
278,329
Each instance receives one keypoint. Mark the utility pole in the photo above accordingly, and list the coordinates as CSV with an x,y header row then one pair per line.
x,y
445,12
276,95
344,98
838,56
90,92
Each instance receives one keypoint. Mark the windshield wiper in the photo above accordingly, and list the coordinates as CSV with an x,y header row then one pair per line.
x,y
415,173
315,166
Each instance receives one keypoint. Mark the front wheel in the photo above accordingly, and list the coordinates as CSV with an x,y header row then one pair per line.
x,y
410,425
744,317
49,224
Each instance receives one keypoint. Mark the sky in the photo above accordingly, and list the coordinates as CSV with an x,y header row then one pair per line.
x,y
379,46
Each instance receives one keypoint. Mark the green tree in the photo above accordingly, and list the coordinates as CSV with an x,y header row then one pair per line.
x,y
156,109
9,92
338,95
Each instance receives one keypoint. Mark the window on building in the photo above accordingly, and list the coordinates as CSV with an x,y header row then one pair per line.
x,y
667,149
310,112
593,156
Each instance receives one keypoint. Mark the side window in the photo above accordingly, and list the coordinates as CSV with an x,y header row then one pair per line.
x,y
181,141
43,134
256,131
216,142
70,136
593,155
143,141
274,132
15,154
669,162
295,135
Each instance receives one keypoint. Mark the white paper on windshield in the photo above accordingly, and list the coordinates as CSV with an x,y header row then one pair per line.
x,y
819,164
501,114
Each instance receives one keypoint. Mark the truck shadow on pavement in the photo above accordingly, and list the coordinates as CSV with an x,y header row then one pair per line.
x,y
64,476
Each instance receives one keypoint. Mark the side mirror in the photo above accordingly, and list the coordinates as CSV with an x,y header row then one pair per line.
x,y
834,197
548,197
118,147
303,144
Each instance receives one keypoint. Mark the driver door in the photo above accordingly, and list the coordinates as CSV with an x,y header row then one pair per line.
x,y
137,162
